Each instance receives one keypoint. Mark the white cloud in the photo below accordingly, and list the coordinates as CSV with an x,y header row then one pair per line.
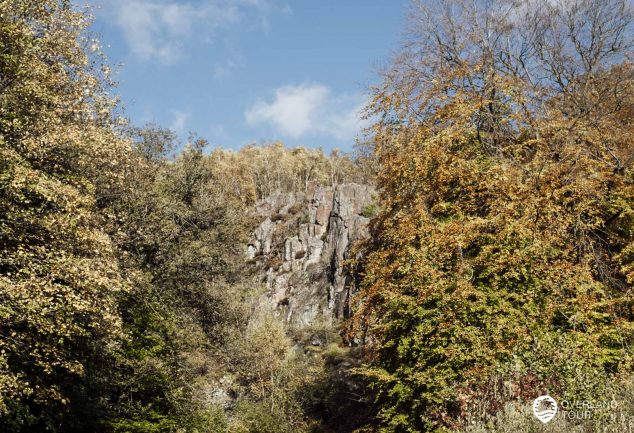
x,y
179,121
309,108
293,109
154,30
159,29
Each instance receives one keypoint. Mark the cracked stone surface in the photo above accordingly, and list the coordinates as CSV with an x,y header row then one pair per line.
x,y
301,246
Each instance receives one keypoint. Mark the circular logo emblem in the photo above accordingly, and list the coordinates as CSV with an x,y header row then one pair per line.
x,y
545,408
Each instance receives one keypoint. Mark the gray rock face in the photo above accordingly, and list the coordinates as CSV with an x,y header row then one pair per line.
x,y
301,246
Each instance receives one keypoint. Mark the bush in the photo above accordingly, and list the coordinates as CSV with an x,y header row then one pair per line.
x,y
260,417
517,417
370,210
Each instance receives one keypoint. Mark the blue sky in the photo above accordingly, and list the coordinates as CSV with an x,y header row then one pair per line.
x,y
238,71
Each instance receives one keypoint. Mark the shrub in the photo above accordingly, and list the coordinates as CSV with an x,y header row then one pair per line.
x,y
260,417
370,210
518,417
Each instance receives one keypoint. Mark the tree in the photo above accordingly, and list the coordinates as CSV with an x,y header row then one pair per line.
x,y
261,171
505,233
59,278
180,227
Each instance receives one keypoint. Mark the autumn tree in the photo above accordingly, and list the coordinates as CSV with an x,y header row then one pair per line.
x,y
59,278
180,231
263,170
500,265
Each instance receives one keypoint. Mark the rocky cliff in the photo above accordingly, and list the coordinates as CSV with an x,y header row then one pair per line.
x,y
300,247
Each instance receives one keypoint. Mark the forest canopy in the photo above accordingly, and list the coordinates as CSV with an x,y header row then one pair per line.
x,y
498,264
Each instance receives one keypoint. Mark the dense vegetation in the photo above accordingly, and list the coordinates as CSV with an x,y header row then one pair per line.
x,y
122,298
500,265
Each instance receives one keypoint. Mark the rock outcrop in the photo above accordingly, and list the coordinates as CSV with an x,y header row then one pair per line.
x,y
300,248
